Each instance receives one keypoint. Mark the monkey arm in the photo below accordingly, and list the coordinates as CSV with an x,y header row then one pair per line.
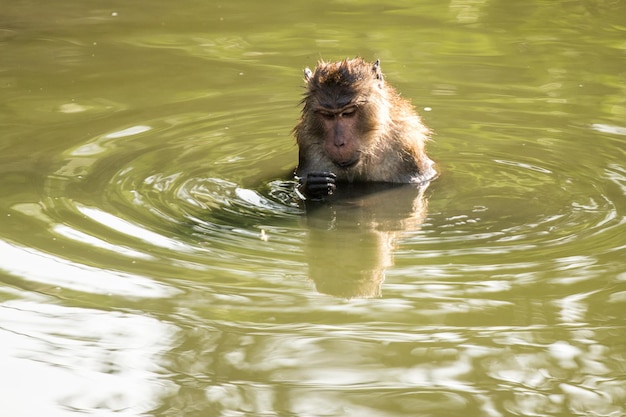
x,y
317,185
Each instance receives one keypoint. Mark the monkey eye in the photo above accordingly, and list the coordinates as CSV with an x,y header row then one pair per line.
x,y
326,114
349,112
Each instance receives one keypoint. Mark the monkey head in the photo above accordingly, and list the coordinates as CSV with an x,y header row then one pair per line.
x,y
344,108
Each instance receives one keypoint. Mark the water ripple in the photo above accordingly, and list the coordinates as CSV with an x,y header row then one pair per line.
x,y
171,194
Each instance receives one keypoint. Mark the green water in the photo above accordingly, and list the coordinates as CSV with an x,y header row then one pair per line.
x,y
153,264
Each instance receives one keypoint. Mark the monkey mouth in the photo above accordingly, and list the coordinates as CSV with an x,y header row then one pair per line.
x,y
347,164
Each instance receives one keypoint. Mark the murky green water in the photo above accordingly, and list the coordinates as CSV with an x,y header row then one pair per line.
x,y
152,263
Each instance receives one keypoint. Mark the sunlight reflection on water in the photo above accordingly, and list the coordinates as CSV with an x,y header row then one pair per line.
x,y
154,261
102,359
58,272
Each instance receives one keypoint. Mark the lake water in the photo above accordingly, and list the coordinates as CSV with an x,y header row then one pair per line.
x,y
153,263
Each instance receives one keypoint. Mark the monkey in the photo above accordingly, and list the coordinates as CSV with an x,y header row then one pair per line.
x,y
356,128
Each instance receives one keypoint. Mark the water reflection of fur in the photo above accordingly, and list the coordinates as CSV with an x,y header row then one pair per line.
x,y
351,237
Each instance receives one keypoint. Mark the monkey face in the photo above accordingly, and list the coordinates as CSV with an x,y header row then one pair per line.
x,y
341,134
336,108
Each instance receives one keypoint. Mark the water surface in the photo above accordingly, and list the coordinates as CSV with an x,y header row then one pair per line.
x,y
153,261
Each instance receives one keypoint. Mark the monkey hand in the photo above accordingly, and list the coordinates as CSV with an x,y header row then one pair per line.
x,y
317,185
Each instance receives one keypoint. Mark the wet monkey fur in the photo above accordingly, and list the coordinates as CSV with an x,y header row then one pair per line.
x,y
356,128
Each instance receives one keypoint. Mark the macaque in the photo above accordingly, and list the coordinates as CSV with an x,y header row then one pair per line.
x,y
355,128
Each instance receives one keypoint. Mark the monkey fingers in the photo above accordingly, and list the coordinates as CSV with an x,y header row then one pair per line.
x,y
319,184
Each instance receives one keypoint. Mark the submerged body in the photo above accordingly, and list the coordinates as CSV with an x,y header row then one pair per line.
x,y
356,128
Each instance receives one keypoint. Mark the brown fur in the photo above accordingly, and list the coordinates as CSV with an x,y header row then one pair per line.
x,y
384,134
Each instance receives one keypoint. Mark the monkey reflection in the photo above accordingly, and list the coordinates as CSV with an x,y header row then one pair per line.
x,y
357,141
352,237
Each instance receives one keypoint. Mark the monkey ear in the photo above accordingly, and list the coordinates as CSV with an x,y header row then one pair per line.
x,y
308,74
377,71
